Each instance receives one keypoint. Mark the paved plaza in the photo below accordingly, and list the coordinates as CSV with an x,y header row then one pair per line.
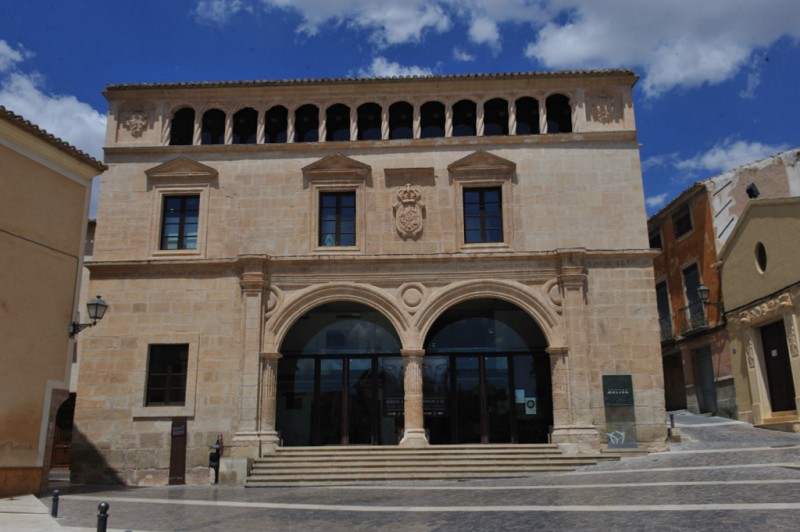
x,y
724,475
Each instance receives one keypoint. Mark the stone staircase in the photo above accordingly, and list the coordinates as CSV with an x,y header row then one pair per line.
x,y
297,466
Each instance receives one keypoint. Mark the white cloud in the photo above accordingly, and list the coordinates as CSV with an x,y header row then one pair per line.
x,y
728,155
218,12
383,68
674,44
62,115
484,31
389,21
9,57
461,55
656,201
680,43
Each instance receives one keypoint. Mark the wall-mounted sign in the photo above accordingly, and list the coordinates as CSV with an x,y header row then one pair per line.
x,y
617,390
530,406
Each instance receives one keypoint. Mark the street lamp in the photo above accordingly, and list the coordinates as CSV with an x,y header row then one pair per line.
x,y
702,293
96,309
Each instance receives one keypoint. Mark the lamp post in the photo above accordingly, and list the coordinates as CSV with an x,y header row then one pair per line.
x,y
96,309
703,292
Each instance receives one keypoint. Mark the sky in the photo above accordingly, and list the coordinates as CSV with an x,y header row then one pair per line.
x,y
718,83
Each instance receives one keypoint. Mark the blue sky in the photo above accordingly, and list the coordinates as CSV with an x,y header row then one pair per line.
x,y
718,89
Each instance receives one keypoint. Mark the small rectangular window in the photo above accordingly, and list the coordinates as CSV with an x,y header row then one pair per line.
x,y
655,239
483,215
179,222
682,221
337,219
166,374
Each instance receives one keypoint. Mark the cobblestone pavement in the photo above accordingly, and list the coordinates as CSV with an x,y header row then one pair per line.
x,y
725,475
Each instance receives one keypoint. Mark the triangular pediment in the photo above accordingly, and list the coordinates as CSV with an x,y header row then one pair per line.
x,y
482,163
337,166
182,167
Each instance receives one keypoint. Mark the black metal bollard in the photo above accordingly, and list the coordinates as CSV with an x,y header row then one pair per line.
x,y
672,421
102,517
54,507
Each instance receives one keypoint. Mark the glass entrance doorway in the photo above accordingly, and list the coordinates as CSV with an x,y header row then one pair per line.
x,y
486,377
340,380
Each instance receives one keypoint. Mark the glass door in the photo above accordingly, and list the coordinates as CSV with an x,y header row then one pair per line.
x,y
497,397
360,401
468,399
329,409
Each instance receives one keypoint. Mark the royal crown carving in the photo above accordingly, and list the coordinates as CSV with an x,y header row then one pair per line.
x,y
408,211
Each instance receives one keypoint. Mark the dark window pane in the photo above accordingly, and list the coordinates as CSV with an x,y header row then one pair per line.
x,y
179,224
166,380
337,218
483,220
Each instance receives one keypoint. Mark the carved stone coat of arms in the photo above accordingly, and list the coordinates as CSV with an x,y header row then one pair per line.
x,y
408,212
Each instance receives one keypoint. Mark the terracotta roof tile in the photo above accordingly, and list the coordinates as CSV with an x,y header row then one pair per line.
x,y
51,139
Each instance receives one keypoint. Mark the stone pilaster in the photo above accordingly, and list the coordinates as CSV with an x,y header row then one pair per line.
x,y
267,434
414,434
253,282
580,433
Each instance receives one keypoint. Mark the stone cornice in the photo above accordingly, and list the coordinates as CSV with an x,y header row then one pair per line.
x,y
235,265
359,146
765,311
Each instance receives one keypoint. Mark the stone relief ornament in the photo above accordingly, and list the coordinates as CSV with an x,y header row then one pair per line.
x,y
792,333
751,355
136,123
765,310
605,108
408,211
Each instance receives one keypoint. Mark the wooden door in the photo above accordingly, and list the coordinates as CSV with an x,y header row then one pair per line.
x,y
177,453
779,369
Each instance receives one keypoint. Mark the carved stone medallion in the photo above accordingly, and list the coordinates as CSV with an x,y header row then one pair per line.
x,y
605,108
136,123
408,211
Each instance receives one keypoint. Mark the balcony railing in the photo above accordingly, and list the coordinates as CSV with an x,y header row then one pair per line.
x,y
665,323
691,317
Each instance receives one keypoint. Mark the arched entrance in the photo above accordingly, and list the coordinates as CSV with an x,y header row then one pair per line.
x,y
340,379
486,376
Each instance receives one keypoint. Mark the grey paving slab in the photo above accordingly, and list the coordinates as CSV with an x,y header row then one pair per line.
x,y
725,476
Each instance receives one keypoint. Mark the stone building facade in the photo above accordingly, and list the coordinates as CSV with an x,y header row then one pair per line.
x,y
700,370
409,261
761,286
44,201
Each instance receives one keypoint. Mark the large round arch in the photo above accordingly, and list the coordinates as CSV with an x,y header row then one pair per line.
x,y
540,308
486,375
300,304
340,378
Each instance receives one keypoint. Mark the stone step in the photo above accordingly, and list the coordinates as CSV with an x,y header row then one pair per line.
x,y
379,476
341,464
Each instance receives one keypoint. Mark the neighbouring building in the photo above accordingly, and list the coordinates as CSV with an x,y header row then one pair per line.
x,y
404,261
698,357
44,202
761,286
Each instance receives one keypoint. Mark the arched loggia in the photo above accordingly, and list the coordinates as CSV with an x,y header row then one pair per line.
x,y
340,378
486,376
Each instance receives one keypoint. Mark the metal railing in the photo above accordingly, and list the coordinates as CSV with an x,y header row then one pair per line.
x,y
691,317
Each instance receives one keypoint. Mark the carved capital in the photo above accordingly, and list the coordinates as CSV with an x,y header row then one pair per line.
x,y
253,276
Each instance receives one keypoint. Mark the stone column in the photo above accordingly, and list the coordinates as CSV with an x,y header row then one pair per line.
x,y
261,128
228,135
580,434
353,123
267,434
198,128
512,116
385,122
414,434
448,119
322,118
542,115
417,123
480,114
290,112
